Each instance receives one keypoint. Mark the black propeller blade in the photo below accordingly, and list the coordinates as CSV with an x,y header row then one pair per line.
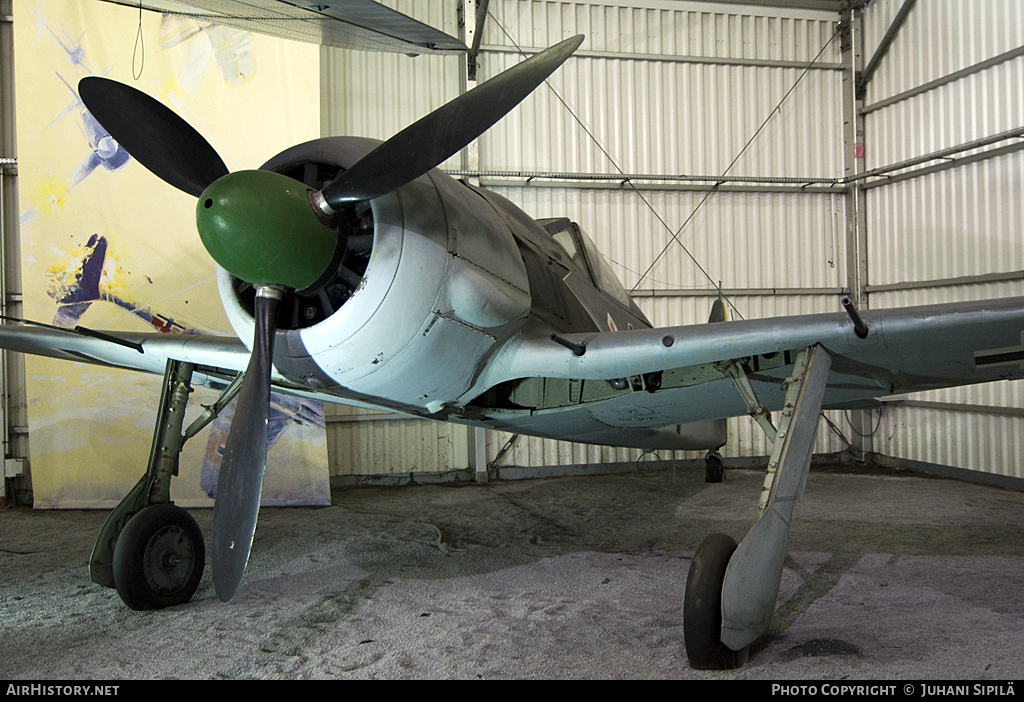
x,y
154,136
240,481
429,142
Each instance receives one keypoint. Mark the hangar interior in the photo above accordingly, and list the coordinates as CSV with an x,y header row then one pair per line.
x,y
790,152
782,154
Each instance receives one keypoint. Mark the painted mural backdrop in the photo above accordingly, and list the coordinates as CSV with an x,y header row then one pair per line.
x,y
109,246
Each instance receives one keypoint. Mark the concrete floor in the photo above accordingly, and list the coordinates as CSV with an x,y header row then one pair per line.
x,y
890,576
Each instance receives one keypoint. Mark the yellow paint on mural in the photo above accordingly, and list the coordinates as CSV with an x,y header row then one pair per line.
x,y
110,246
50,194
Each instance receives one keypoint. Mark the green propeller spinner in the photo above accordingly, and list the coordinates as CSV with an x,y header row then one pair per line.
x,y
260,227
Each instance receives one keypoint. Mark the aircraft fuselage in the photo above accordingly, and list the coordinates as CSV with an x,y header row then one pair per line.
x,y
431,281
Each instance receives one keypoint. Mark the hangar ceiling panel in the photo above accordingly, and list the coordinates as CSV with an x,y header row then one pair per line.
x,y
354,24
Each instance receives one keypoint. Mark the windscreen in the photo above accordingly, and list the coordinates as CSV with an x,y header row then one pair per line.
x,y
604,278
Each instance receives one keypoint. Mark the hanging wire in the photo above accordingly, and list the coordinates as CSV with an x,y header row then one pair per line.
x,y
880,411
675,234
612,161
644,452
139,44
836,430
776,109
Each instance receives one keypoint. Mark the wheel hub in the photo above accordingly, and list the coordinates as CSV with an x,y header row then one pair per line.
x,y
168,560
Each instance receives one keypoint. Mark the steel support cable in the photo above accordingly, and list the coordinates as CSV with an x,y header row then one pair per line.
x,y
675,236
615,165
836,430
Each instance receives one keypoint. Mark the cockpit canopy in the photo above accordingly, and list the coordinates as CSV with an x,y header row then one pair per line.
x,y
588,259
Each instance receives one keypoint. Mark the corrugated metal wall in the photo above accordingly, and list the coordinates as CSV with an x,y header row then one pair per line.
x,y
676,88
929,233
377,95
663,88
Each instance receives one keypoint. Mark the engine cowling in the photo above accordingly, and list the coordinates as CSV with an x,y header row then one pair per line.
x,y
427,283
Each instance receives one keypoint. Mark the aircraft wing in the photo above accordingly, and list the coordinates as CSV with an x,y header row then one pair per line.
x,y
215,355
353,24
217,359
666,376
680,374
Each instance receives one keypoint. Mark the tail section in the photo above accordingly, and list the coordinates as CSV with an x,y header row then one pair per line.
x,y
718,311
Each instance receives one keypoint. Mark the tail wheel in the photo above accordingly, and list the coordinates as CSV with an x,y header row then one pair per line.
x,y
714,467
702,607
159,558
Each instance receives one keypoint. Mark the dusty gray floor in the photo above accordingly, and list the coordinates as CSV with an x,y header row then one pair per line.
x,y
889,577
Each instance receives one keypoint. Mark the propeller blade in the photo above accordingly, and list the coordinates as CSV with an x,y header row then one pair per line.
x,y
430,141
245,455
152,134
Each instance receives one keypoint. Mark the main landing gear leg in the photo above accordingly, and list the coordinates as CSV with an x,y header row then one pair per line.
x,y
151,551
731,590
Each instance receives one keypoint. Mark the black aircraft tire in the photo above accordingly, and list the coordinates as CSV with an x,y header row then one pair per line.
x,y
714,468
702,607
159,558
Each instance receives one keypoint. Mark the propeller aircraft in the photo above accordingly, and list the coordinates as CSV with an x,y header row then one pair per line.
x,y
354,271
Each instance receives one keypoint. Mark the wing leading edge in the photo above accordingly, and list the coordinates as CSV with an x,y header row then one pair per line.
x,y
147,353
636,381
217,359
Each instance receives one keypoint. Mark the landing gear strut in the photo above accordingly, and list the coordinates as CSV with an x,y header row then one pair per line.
x,y
731,590
149,550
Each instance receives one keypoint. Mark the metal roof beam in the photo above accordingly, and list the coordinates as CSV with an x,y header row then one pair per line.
x,y
474,50
938,82
673,58
865,76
